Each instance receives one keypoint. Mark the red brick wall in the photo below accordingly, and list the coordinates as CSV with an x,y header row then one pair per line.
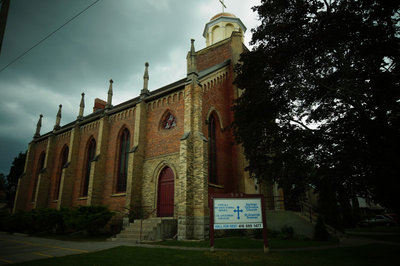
x,y
209,57
55,172
38,149
86,134
161,141
118,123
220,97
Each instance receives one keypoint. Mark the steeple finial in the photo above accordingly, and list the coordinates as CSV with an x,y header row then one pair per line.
x,y
58,118
38,126
110,94
191,60
145,91
81,107
192,51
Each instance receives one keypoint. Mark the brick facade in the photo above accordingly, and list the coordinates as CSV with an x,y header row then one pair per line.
x,y
207,91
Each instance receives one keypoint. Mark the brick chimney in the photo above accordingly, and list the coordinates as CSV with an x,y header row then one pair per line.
x,y
99,104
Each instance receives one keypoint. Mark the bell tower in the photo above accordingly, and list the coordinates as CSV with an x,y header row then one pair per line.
x,y
221,26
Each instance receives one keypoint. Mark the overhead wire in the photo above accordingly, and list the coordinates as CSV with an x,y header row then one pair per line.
x,y
48,36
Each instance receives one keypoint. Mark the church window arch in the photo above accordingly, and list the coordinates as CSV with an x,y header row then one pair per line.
x,y
216,34
62,163
39,169
90,154
212,149
165,193
168,121
123,155
228,30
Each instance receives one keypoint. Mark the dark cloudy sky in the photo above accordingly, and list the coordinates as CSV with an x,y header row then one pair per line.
x,y
112,39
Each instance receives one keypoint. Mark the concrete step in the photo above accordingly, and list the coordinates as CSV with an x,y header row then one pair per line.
x,y
144,229
124,240
147,230
144,225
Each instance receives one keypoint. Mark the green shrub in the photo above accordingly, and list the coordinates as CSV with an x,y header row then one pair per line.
x,y
321,233
90,219
16,222
4,215
47,220
287,232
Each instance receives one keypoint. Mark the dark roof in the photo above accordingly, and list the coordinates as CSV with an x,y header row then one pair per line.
x,y
175,86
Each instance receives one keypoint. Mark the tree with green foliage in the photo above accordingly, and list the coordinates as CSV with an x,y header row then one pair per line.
x,y
321,97
16,170
3,187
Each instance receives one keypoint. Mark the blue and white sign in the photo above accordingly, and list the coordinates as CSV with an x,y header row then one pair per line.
x,y
237,213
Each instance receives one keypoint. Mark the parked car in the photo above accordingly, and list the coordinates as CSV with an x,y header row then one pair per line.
x,y
393,216
378,220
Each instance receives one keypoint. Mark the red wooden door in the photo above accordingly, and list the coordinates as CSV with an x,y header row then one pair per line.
x,y
165,200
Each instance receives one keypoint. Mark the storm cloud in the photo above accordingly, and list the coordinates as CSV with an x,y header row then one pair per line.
x,y
112,39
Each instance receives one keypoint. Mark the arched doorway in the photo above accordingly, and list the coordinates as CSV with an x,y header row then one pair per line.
x,y
165,201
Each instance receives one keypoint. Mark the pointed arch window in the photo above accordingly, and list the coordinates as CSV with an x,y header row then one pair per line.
x,y
169,121
212,151
123,161
90,153
39,169
62,164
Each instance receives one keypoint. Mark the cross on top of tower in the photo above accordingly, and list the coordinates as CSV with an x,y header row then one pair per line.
x,y
223,5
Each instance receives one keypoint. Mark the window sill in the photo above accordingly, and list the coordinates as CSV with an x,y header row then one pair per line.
x,y
119,194
54,201
215,185
83,198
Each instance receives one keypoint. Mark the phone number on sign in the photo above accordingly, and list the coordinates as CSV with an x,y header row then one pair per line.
x,y
238,226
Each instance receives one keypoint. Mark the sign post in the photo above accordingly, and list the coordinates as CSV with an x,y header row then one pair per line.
x,y
237,211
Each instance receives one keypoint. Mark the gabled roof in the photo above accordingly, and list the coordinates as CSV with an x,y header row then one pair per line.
x,y
175,86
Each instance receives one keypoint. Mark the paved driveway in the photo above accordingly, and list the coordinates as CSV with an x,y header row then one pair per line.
x,y
18,248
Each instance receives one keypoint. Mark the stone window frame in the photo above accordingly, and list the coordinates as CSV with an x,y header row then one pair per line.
x,y
39,170
212,150
123,131
63,161
167,113
90,155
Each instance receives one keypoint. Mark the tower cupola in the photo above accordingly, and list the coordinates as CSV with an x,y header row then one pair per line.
x,y
221,26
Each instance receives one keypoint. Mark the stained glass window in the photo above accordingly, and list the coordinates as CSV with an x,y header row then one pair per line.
x,y
39,168
90,153
212,151
63,162
123,161
169,121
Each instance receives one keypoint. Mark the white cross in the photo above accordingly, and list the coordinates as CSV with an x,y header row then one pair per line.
x,y
223,5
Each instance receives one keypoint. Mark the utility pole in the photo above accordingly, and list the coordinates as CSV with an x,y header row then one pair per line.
x,y
5,4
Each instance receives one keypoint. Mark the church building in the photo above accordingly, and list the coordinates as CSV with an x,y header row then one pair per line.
x,y
160,154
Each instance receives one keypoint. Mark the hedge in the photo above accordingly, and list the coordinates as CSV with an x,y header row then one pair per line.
x,y
88,219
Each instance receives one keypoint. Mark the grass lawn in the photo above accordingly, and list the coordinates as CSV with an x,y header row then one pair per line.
x,y
246,243
377,254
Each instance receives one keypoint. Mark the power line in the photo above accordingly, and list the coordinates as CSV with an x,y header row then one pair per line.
x,y
45,38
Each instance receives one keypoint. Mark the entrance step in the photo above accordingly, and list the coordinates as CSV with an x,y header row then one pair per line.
x,y
151,229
